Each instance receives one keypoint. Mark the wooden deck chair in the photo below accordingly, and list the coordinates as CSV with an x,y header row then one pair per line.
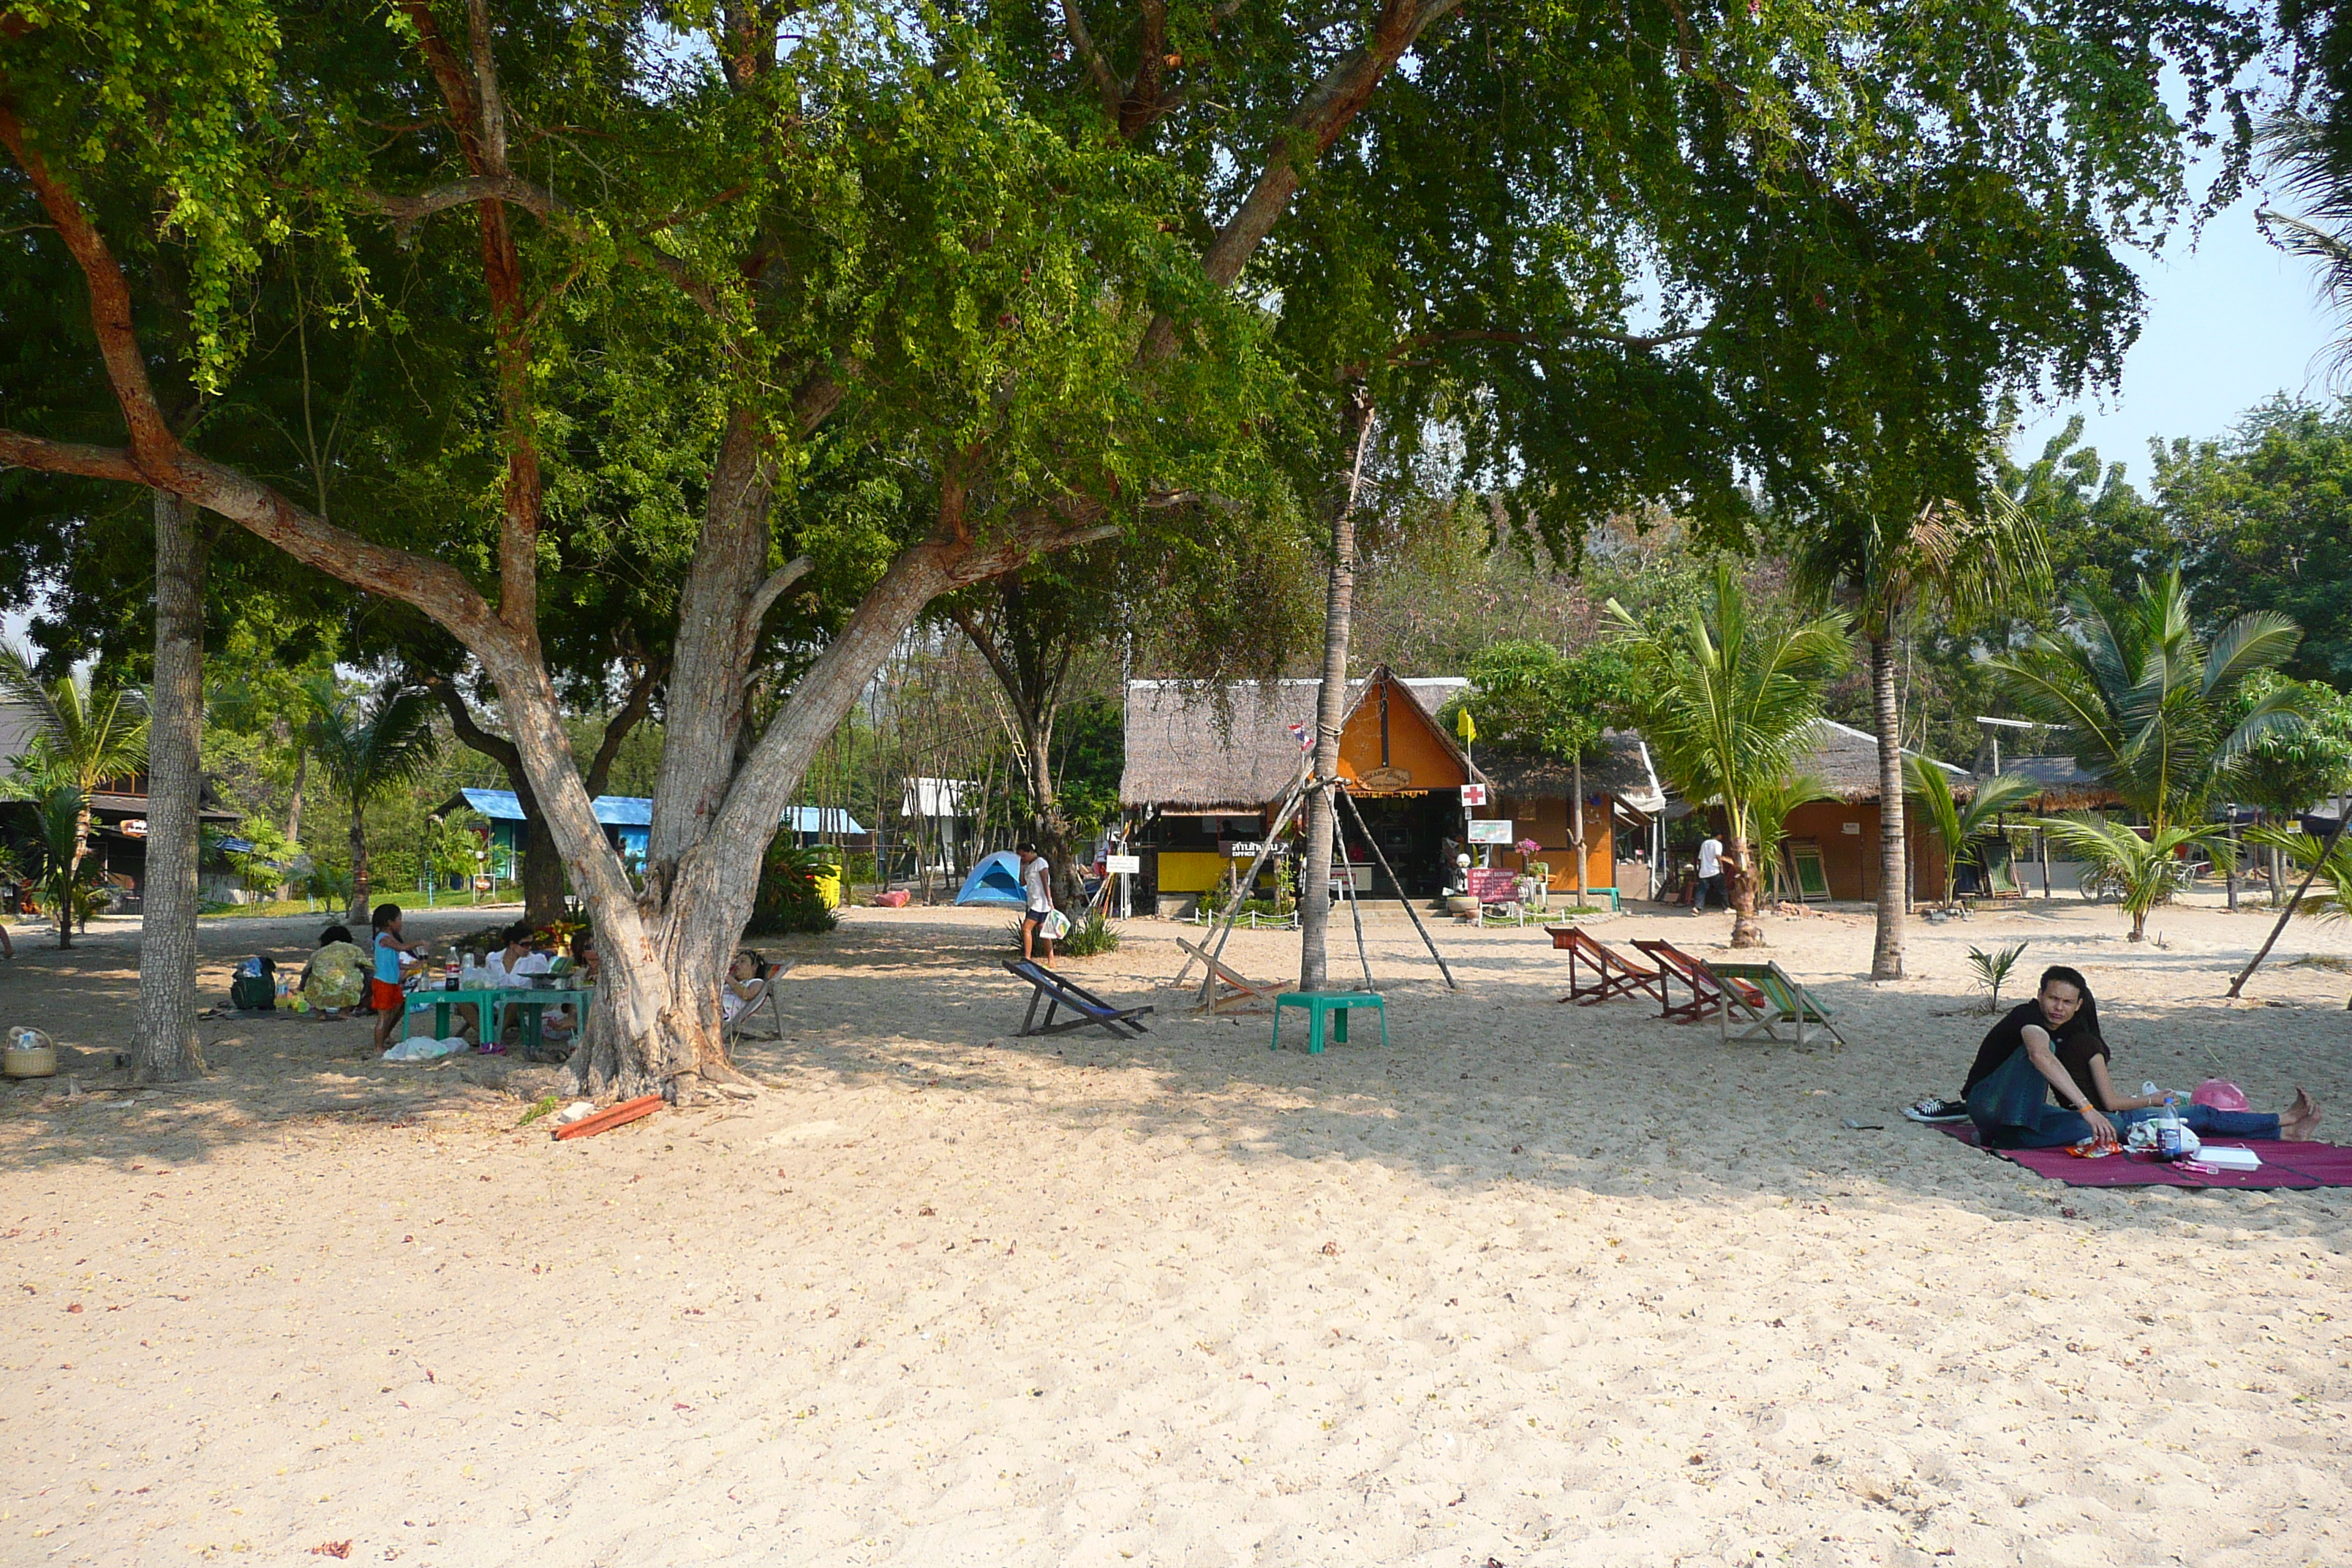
x,y
1056,990
1225,990
1785,1002
2000,880
1813,877
762,1000
1707,992
1613,973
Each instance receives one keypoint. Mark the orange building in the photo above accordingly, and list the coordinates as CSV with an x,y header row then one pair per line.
x,y
1208,767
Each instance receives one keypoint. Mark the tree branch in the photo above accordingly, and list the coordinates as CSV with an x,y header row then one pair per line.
x,y
1329,108
470,733
109,295
616,728
769,592
18,450
1098,68
1414,344
407,211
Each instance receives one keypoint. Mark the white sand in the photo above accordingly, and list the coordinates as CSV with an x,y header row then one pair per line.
x,y
1538,1285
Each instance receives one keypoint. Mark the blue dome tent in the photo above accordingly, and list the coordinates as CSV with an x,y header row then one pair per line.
x,y
994,882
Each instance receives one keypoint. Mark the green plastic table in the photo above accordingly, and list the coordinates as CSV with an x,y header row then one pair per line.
x,y
490,1003
1335,1002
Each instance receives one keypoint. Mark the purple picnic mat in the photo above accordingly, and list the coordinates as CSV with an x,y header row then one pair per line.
x,y
2284,1165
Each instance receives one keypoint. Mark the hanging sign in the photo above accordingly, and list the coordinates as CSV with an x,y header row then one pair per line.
x,y
134,827
1474,795
1492,830
1116,864
1389,779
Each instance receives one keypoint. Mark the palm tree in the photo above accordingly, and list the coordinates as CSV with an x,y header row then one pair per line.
x,y
1941,560
2313,165
1772,805
2303,851
365,749
70,882
2149,707
84,734
1961,827
1726,700
2147,871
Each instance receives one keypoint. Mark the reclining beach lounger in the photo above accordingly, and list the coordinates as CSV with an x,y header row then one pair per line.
x,y
1785,1002
1225,990
1707,991
1059,992
1613,973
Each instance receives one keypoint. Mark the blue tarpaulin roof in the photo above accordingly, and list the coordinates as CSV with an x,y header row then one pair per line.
x,y
633,811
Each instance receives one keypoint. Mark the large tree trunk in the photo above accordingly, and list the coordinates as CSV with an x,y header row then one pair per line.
x,y
1330,714
168,1051
1576,827
1886,953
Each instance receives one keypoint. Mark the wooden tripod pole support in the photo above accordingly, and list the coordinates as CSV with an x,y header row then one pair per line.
x,y
1411,913
1217,947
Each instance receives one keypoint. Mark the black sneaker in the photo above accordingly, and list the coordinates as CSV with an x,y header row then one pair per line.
x,y
1937,1112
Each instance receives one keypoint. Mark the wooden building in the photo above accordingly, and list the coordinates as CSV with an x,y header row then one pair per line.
x,y
1207,768
1622,801
1845,828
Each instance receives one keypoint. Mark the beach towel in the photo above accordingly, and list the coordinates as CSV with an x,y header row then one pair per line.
x,y
2284,1165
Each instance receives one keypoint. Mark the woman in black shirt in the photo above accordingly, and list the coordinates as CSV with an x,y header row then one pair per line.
x,y
2053,1043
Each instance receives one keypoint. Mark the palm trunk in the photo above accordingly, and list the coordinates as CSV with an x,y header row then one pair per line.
x,y
168,1051
294,801
358,914
1886,953
1739,882
1331,713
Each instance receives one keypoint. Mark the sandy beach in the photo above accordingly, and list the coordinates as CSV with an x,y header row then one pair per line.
x,y
1535,1285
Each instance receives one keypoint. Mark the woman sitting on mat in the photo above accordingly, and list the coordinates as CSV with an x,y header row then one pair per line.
x,y
2053,1043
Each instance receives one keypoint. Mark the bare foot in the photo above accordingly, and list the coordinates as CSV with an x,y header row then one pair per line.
x,y
2301,1128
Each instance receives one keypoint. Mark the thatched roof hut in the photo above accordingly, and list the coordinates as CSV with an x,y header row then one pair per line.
x,y
1187,752
1619,767
1847,760
2067,786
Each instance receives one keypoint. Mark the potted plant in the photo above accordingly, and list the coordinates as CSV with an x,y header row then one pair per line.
x,y
1536,884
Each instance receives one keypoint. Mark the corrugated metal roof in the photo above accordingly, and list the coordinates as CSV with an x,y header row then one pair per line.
x,y
635,811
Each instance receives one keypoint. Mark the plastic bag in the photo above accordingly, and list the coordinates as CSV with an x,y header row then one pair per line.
x,y
1055,926
425,1050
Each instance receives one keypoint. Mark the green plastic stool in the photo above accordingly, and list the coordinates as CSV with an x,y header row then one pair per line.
x,y
1336,1003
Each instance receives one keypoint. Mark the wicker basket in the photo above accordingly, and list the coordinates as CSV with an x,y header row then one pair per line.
x,y
28,1053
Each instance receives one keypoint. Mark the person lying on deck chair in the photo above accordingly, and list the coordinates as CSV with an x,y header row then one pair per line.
x,y
741,986
2053,1043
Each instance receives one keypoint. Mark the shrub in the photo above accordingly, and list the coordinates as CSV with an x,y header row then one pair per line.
x,y
1089,936
788,900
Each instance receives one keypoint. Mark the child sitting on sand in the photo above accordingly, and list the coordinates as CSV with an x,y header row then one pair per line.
x,y
2053,1043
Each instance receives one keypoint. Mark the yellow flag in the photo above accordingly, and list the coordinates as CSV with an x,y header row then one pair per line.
x,y
1465,726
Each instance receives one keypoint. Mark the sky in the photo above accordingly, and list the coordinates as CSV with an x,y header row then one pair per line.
x,y
2229,323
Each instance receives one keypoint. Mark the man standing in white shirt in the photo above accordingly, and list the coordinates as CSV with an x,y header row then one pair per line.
x,y
1710,875
1037,893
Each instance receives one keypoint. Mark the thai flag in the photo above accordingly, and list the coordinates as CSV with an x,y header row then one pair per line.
x,y
1303,736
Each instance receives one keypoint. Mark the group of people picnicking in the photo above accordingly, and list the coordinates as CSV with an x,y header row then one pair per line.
x,y
340,979
2053,1045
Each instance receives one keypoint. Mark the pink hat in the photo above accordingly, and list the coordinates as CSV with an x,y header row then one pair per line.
x,y
2220,1094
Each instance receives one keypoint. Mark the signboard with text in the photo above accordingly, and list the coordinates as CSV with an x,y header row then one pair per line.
x,y
1493,830
1115,864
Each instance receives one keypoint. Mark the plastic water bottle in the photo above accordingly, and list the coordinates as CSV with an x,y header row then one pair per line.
x,y
449,972
2168,1132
